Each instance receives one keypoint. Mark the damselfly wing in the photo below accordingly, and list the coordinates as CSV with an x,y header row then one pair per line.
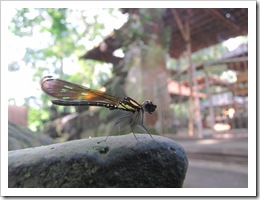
x,y
70,94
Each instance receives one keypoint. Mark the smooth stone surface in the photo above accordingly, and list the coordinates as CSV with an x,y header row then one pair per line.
x,y
121,161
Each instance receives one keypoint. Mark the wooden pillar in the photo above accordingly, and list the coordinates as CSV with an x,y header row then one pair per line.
x,y
190,75
211,109
194,105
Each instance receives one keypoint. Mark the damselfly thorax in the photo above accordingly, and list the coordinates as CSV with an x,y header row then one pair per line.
x,y
70,94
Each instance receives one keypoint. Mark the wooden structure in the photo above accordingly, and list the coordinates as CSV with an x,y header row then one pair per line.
x,y
192,30
231,95
207,27
182,89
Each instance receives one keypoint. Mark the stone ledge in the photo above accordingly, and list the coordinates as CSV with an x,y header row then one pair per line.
x,y
119,162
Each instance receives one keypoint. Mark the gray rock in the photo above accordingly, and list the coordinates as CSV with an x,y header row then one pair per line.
x,y
20,137
121,161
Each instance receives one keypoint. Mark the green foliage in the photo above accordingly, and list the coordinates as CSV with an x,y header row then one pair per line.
x,y
25,20
204,55
59,25
208,54
36,118
62,40
198,57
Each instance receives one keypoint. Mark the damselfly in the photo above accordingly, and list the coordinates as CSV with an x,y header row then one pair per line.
x,y
70,94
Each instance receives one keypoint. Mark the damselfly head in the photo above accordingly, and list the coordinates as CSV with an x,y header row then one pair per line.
x,y
148,106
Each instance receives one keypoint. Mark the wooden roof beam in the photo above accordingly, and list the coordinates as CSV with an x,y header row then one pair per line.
x,y
184,29
227,22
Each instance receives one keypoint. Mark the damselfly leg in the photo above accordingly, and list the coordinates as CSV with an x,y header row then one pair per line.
x,y
118,122
132,124
71,94
141,125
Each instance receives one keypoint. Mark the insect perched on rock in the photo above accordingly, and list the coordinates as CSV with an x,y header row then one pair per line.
x,y
70,94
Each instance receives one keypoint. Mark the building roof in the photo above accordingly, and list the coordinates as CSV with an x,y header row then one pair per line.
x,y
208,26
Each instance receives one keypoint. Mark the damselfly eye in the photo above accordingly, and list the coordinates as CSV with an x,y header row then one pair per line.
x,y
71,94
148,106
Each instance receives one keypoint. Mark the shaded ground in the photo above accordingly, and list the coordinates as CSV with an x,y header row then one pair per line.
x,y
208,174
220,161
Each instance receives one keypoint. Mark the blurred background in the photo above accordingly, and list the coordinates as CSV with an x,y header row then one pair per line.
x,y
192,63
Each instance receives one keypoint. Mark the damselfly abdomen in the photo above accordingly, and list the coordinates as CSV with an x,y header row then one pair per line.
x,y
70,94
